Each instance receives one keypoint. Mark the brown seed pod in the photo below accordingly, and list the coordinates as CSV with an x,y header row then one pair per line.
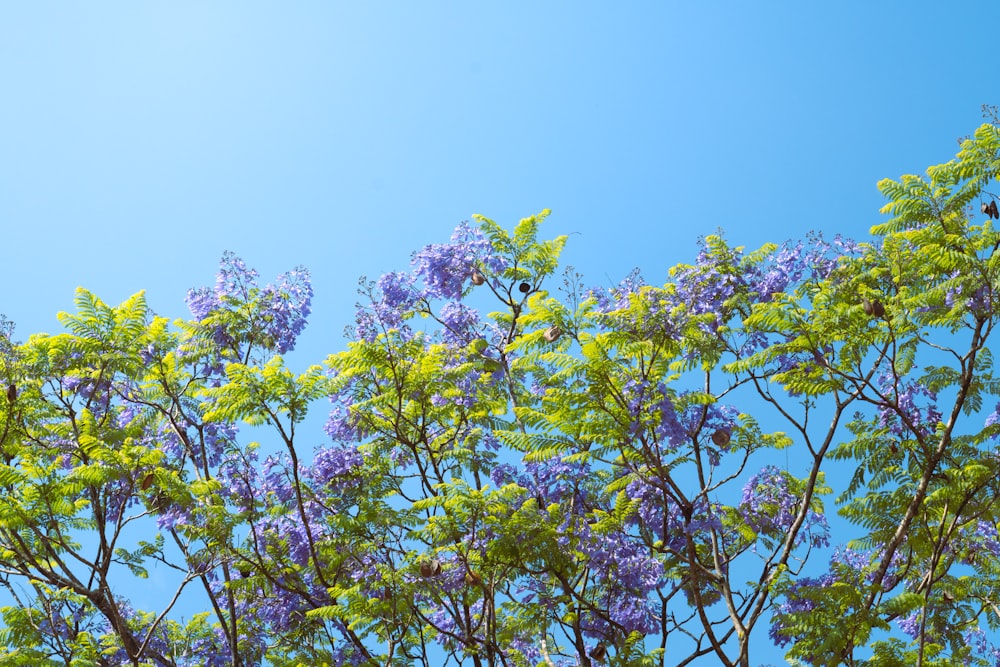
x,y
721,437
477,278
599,653
147,481
430,568
873,308
994,213
524,288
985,208
552,334
12,393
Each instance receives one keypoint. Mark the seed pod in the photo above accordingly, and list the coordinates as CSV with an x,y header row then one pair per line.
x,y
985,208
12,393
524,288
873,308
244,571
552,334
147,481
994,213
721,437
477,278
430,568
599,652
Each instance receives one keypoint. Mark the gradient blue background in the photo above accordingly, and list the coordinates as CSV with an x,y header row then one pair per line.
x,y
138,140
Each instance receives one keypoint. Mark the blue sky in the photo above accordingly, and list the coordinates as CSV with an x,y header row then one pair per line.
x,y
139,140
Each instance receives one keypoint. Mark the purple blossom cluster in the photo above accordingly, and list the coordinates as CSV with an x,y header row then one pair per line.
x,y
621,566
445,267
807,595
461,323
625,570
977,542
272,316
977,639
343,425
770,504
617,298
441,272
784,268
706,287
239,474
971,297
653,412
909,409
659,513
910,624
209,650
452,633
335,468
552,480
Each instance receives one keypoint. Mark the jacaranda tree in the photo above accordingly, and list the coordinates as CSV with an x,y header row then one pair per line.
x,y
521,470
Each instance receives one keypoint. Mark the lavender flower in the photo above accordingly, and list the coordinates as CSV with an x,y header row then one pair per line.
x,y
770,504
239,312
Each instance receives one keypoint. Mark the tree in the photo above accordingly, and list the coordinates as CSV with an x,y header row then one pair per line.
x,y
624,476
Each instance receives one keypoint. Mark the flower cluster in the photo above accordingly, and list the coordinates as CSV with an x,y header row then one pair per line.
x,y
241,312
813,596
770,504
977,639
445,267
976,541
441,272
617,298
785,267
335,468
901,412
627,574
707,286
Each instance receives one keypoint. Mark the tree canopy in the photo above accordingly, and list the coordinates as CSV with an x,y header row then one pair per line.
x,y
518,469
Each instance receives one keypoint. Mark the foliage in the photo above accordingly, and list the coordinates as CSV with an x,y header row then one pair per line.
x,y
519,476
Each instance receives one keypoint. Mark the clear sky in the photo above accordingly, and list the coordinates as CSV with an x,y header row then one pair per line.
x,y
138,140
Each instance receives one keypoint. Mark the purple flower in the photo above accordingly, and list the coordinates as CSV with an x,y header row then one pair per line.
x,y
240,312
336,466
902,412
445,267
286,307
342,425
785,268
770,504
910,624
459,322
201,302
618,298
